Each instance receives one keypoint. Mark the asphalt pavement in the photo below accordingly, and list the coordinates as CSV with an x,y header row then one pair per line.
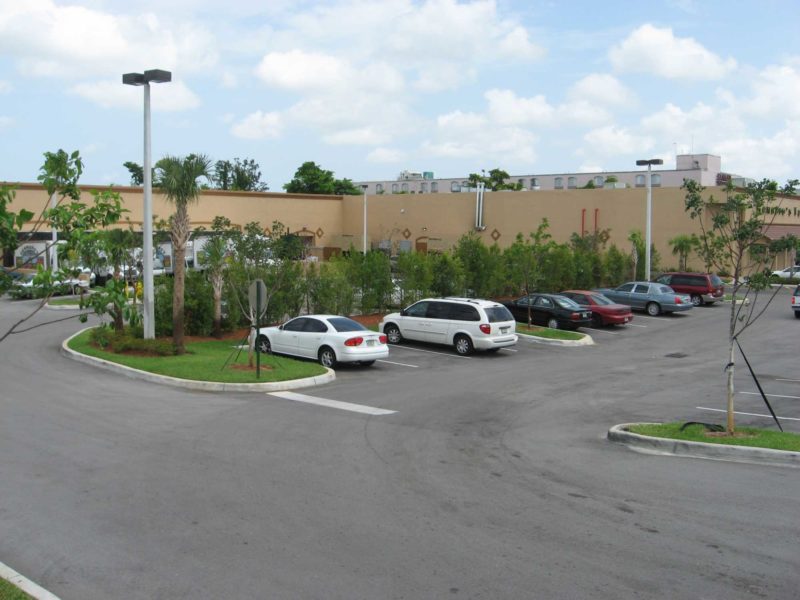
x,y
490,478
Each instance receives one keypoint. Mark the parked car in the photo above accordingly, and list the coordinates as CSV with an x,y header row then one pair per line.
x,y
551,310
702,288
604,310
796,302
652,297
788,272
467,324
330,339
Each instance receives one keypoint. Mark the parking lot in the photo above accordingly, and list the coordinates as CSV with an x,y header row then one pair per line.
x,y
426,475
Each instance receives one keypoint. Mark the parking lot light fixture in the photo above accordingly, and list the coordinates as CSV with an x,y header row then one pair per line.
x,y
649,218
144,80
364,187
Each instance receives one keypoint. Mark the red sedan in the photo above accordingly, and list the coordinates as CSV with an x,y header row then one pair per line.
x,y
604,311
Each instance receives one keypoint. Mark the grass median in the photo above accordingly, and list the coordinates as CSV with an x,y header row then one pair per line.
x,y
744,436
8,591
206,361
550,334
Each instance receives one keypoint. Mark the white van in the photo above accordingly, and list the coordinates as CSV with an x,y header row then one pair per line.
x,y
467,324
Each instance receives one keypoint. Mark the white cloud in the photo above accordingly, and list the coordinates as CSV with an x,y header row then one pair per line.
x,y
604,89
5,87
650,49
506,108
229,80
49,40
611,141
259,126
581,112
359,136
173,96
774,156
298,70
776,92
386,155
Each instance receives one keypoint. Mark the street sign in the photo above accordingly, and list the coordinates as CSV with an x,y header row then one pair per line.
x,y
257,288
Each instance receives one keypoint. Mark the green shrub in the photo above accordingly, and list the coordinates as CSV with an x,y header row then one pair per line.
x,y
123,341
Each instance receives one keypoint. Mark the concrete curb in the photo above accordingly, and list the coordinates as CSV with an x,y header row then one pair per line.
x,y
664,446
205,386
587,340
25,584
49,306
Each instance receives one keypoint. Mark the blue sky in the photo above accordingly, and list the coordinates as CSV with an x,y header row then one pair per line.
x,y
370,88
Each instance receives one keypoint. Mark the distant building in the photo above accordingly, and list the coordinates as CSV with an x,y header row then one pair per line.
x,y
706,169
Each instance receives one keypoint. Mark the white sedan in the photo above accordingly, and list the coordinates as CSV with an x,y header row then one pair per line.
x,y
330,339
788,272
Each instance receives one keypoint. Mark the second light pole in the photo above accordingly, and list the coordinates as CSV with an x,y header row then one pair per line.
x,y
364,187
148,315
647,242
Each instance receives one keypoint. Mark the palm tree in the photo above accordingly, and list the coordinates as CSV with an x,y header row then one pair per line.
x,y
682,245
177,178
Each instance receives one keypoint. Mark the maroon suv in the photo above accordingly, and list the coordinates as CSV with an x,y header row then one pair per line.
x,y
703,288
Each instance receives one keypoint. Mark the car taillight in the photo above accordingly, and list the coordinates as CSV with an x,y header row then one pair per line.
x,y
575,316
794,300
383,339
485,328
678,300
356,341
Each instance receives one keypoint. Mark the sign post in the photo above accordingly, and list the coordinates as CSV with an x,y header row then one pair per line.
x,y
257,294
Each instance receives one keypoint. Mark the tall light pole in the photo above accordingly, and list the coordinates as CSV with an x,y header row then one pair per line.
x,y
364,187
647,243
145,79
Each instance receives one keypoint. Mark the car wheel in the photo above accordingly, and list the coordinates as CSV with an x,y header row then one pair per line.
x,y
653,309
697,300
367,363
327,357
552,323
597,320
463,345
263,345
393,334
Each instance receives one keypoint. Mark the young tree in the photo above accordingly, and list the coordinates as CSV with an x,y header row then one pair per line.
x,y
682,245
177,178
732,237
217,250
310,178
10,224
448,275
415,272
137,172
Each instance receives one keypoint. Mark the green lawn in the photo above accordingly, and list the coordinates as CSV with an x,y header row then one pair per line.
x,y
204,362
64,301
761,438
550,334
8,591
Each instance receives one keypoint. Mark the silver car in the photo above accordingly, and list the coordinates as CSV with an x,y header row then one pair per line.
x,y
655,298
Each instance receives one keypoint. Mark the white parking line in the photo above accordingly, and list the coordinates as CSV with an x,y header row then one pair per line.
x,y
792,380
602,330
736,412
771,395
429,352
359,408
636,325
397,363
509,349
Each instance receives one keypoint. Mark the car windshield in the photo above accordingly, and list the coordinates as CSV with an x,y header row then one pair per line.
x,y
565,302
601,300
497,314
345,324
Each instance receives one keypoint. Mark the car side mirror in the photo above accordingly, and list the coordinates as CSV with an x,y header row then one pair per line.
x,y
403,313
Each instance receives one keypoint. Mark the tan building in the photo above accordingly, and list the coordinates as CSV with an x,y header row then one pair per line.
x,y
424,222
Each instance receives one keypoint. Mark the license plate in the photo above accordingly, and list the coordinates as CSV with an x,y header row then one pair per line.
x,y
626,320
504,330
370,342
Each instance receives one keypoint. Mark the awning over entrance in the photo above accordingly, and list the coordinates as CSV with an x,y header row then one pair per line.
x,y
776,232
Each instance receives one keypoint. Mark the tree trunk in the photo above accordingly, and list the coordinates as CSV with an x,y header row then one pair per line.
x,y
216,285
730,426
179,235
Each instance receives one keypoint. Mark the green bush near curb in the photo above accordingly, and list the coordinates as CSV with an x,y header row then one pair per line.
x,y
204,361
753,437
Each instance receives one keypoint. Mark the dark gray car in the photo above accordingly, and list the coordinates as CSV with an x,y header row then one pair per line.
x,y
654,298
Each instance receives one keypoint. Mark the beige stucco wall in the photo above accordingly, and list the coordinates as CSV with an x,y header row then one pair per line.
x,y
438,219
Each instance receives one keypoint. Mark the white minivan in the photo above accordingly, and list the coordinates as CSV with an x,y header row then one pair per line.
x,y
467,324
